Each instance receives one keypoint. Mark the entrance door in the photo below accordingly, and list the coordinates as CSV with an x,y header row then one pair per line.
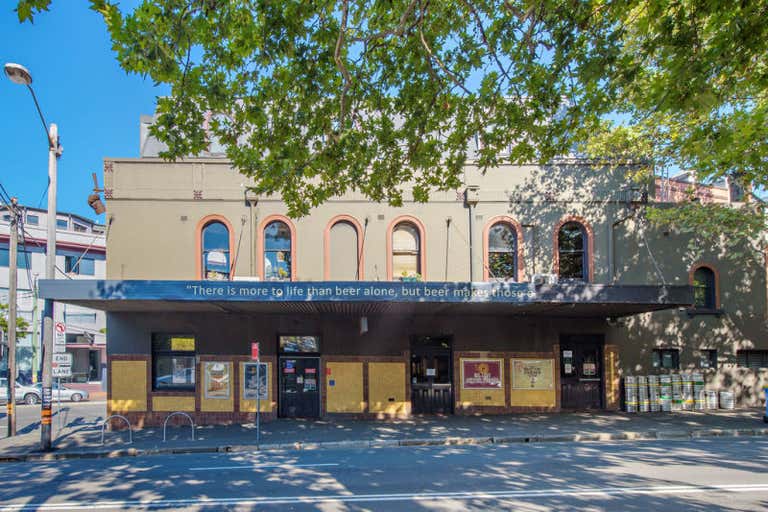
x,y
581,371
431,375
299,387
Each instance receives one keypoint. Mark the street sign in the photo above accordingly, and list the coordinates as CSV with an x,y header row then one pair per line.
x,y
61,371
255,351
59,337
62,358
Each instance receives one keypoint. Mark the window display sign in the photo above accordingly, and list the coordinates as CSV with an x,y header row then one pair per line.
x,y
533,374
217,378
482,373
182,343
255,377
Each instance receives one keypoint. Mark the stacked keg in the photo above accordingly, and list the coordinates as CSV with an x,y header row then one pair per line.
x,y
630,393
677,392
700,402
665,395
727,400
643,403
654,393
687,391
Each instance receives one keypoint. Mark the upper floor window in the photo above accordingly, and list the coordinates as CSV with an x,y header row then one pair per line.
x,y
502,252
406,251
704,296
62,223
572,251
33,220
343,250
278,251
79,227
215,251
666,358
23,258
81,266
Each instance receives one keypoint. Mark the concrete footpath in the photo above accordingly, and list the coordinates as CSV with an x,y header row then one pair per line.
x,y
82,438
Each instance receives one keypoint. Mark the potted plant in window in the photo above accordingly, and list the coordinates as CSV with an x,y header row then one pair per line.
x,y
410,277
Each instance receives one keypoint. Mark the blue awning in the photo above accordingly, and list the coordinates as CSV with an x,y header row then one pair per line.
x,y
366,297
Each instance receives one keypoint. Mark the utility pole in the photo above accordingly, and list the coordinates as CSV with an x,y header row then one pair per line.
x,y
12,288
35,330
20,75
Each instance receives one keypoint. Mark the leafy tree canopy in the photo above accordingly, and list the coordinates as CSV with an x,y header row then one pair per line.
x,y
21,324
316,98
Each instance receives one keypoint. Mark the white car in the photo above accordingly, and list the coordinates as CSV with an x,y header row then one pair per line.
x,y
27,394
74,395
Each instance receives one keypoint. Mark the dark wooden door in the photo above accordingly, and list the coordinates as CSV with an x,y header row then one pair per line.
x,y
581,372
431,375
299,387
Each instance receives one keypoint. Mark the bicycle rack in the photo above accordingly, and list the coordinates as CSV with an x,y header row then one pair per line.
x,y
104,426
165,423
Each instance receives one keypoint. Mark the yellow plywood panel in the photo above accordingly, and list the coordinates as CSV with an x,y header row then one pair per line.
x,y
482,397
536,373
217,393
344,385
386,389
532,398
173,403
250,405
128,381
490,373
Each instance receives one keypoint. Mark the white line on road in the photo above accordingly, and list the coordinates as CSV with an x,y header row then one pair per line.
x,y
352,498
263,466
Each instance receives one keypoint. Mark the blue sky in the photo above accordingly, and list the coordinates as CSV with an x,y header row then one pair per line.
x,y
81,88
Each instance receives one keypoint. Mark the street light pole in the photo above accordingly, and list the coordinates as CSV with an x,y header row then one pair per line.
x,y
18,74
50,273
12,290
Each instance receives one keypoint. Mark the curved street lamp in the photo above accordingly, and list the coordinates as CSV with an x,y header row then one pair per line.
x,y
18,74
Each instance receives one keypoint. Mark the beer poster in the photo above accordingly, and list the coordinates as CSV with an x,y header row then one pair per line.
x,y
482,374
216,379
532,374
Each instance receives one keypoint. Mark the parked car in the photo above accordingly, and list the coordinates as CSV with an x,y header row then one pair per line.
x,y
30,395
75,395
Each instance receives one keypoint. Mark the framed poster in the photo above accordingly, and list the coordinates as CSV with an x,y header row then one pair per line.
x,y
533,374
216,379
255,381
482,374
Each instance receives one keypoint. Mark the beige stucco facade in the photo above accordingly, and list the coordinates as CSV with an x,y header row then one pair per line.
x,y
157,210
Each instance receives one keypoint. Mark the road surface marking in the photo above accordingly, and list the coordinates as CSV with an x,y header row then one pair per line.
x,y
263,466
352,498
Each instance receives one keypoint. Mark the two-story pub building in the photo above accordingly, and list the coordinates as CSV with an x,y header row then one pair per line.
x,y
531,288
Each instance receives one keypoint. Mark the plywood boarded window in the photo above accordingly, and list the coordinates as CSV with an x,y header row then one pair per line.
x,y
406,257
344,256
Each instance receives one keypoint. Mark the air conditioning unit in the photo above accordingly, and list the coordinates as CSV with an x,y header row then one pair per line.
x,y
634,195
542,279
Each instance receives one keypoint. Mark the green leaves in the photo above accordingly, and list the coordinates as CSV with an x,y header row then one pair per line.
x,y
21,324
315,98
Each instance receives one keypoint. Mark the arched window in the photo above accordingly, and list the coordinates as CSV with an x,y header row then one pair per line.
x,y
215,256
502,252
278,251
572,251
343,256
406,251
704,288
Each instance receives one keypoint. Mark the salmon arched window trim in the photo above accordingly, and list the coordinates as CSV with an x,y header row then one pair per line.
x,y
408,219
327,245
715,274
202,223
260,243
518,229
588,232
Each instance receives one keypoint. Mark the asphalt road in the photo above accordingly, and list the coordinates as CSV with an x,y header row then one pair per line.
x,y
72,414
702,475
